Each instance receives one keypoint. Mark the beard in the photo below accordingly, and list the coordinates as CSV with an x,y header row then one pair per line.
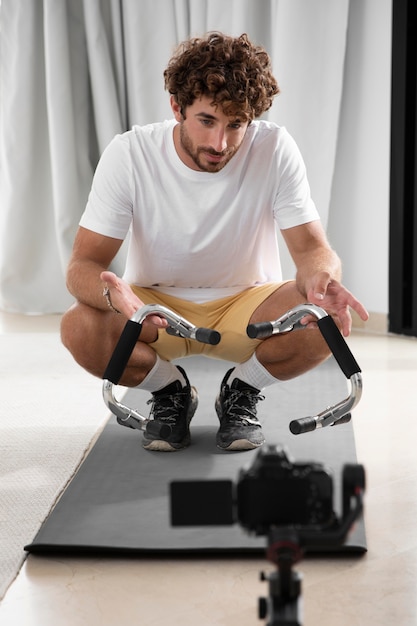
x,y
198,154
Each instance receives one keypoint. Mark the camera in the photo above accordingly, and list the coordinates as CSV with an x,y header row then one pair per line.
x,y
290,503
273,491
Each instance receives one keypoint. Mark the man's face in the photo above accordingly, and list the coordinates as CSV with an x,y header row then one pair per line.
x,y
206,139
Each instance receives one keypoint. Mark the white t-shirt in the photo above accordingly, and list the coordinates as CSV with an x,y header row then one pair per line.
x,y
199,235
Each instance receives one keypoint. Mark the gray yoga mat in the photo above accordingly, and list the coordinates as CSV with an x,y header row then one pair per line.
x,y
118,501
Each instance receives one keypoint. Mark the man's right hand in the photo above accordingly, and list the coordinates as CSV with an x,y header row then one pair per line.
x,y
125,300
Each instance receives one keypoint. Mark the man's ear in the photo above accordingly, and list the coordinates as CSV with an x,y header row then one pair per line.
x,y
176,109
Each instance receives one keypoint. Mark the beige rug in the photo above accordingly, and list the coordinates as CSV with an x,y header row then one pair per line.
x,y
50,411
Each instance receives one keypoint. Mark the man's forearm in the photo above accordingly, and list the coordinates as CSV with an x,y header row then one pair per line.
x,y
85,284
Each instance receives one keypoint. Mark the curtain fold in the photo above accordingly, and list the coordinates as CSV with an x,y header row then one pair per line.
x,y
76,72
105,62
31,277
67,105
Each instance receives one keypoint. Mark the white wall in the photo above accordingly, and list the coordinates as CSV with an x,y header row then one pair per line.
x,y
359,207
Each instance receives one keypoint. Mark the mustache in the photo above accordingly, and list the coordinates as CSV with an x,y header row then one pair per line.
x,y
214,152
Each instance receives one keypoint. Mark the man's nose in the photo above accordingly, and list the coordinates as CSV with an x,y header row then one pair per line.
x,y
219,140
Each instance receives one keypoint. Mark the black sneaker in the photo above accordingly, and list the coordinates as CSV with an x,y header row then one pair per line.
x,y
239,429
172,409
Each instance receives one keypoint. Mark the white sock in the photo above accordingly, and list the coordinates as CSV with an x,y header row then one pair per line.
x,y
253,373
162,374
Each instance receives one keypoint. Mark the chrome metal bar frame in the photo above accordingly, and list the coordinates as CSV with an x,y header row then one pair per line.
x,y
178,325
291,320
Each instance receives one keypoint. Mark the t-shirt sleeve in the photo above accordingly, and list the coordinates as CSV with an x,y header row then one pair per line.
x,y
293,203
110,202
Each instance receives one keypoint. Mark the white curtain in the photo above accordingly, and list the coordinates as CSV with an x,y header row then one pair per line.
x,y
76,72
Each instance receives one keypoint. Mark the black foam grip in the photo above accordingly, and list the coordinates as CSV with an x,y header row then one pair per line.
x,y
207,335
123,350
338,346
303,425
260,330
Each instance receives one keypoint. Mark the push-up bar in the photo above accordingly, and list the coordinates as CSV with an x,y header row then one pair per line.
x,y
179,326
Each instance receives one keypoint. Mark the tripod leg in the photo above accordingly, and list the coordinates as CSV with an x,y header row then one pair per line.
x,y
283,607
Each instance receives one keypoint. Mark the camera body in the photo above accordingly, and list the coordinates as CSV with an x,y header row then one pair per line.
x,y
274,491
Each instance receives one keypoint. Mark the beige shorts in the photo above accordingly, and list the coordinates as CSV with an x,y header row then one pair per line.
x,y
229,316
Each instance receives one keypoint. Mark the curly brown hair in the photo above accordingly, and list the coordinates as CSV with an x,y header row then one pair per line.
x,y
235,73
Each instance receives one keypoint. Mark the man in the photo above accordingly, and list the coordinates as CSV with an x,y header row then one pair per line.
x,y
201,195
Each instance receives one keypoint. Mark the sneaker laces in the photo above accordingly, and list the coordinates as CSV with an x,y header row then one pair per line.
x,y
166,408
235,407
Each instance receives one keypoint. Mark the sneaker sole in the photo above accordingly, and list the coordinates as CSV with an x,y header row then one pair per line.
x,y
241,445
161,445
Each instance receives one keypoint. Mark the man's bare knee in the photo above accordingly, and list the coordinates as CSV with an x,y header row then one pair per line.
x,y
85,333
68,325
